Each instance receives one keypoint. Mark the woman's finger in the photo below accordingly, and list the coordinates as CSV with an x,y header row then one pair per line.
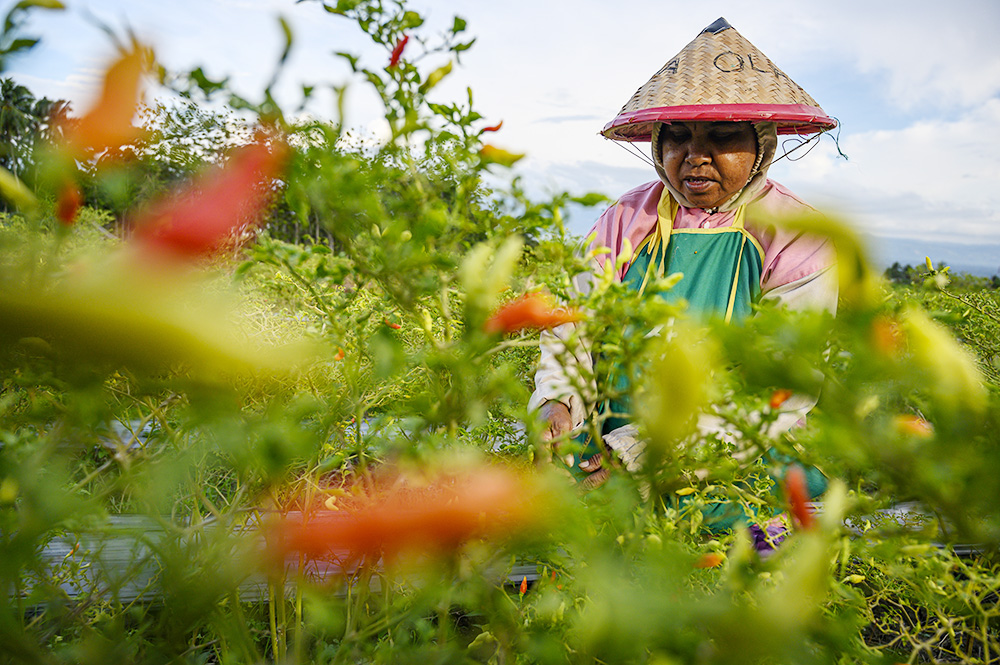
x,y
592,464
596,479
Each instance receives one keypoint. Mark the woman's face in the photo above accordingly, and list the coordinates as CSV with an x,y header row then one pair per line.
x,y
708,162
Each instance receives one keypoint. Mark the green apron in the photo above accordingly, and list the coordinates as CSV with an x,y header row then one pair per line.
x,y
722,270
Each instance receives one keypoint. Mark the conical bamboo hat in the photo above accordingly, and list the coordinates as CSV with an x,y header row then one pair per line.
x,y
719,76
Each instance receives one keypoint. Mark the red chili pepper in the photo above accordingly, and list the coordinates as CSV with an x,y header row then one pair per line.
x,y
779,397
391,324
397,51
533,310
68,203
798,497
493,128
198,218
709,560
524,585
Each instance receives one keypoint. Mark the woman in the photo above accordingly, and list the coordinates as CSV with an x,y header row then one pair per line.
x,y
712,115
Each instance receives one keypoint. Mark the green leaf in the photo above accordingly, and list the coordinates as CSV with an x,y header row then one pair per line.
x,y
352,59
590,199
344,6
374,79
441,109
41,4
15,191
435,77
412,20
205,84
459,25
12,16
244,268
286,30
21,45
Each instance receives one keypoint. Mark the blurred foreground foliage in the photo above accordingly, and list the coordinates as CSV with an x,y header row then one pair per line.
x,y
207,459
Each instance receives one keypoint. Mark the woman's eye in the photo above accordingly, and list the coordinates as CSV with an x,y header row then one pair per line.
x,y
729,134
676,136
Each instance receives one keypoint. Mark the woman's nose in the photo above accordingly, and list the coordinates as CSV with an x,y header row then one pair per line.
x,y
697,153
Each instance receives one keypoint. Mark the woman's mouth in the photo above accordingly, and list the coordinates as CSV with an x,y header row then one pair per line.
x,y
698,185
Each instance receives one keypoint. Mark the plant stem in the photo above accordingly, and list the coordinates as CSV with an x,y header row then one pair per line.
x,y
282,618
299,643
272,619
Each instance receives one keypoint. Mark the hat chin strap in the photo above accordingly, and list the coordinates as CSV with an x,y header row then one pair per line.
x,y
767,144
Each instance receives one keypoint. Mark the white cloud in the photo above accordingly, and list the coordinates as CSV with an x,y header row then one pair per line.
x,y
932,179
943,56
78,86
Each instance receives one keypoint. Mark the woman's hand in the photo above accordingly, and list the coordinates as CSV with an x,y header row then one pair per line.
x,y
559,422
557,417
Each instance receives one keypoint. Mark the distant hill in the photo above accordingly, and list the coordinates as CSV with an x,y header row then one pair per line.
x,y
980,260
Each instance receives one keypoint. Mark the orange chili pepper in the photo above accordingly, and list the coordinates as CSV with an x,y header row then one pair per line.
x,y
437,516
709,560
779,397
913,426
533,310
108,124
524,585
492,128
887,337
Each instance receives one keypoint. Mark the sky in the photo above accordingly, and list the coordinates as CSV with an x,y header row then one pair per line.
x,y
915,85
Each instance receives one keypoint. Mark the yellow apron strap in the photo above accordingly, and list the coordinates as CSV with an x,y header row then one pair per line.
x,y
738,223
736,280
741,215
666,213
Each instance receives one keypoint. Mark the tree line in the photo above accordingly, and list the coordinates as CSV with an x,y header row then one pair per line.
x,y
25,121
907,274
